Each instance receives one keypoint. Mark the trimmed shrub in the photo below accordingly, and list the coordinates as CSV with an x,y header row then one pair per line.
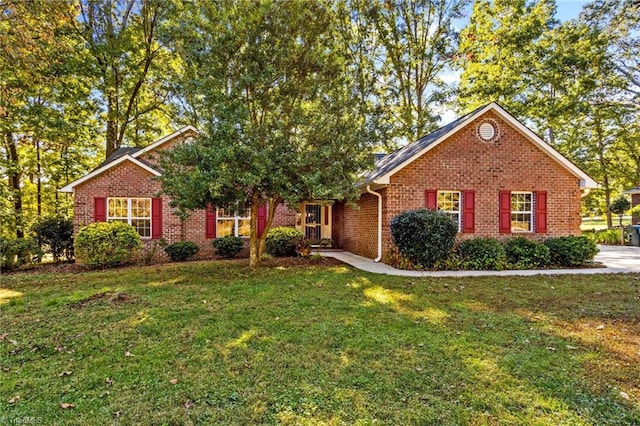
x,y
424,236
282,241
15,252
523,253
106,244
605,236
571,251
181,251
55,236
228,246
482,254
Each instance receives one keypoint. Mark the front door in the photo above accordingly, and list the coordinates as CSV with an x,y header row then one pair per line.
x,y
313,221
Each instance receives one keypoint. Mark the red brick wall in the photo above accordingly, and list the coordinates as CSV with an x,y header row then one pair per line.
x,y
337,224
151,156
285,216
465,163
129,180
635,201
361,225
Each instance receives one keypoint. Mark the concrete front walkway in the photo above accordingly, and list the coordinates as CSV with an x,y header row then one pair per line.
x,y
615,260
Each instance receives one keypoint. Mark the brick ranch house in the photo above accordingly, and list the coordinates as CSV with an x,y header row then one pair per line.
x,y
492,174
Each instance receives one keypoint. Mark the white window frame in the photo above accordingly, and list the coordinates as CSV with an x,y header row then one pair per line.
x,y
129,218
451,212
235,217
521,212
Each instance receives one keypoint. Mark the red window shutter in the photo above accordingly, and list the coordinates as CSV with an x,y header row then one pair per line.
x,y
431,199
156,218
505,212
541,211
210,222
468,212
100,209
262,218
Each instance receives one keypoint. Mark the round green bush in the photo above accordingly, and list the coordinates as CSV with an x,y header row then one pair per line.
x,y
523,253
105,244
282,241
482,254
571,250
424,236
181,251
228,246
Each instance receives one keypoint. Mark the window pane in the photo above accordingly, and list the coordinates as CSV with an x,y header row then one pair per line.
x,y
226,212
143,226
117,207
225,227
141,207
521,222
244,226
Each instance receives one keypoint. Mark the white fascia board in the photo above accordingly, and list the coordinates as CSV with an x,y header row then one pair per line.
x,y
163,140
70,186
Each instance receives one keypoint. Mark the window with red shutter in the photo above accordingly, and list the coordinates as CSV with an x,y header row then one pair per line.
x,y
210,222
541,211
431,199
100,209
468,212
156,218
505,212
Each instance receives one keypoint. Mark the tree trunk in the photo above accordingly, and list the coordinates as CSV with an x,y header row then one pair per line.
x,y
111,142
604,168
38,179
15,177
254,241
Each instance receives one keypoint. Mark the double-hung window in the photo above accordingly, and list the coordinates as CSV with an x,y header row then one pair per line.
x,y
134,211
449,203
233,220
521,212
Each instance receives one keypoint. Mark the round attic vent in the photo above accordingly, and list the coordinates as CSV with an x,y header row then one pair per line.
x,y
487,131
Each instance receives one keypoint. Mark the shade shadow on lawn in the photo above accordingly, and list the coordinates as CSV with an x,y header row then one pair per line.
x,y
213,342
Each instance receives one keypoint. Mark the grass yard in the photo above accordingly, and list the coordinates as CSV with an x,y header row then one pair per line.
x,y
213,342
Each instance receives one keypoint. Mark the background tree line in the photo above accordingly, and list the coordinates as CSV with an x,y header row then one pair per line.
x,y
79,79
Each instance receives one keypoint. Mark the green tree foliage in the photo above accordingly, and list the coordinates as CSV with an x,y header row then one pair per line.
x,y
279,122
128,66
572,82
411,44
55,235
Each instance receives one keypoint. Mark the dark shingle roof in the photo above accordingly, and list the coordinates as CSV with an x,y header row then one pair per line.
x,y
120,152
388,163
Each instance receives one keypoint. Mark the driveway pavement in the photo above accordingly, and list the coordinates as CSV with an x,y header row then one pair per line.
x,y
615,260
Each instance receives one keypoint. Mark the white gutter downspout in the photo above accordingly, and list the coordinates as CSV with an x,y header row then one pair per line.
x,y
379,258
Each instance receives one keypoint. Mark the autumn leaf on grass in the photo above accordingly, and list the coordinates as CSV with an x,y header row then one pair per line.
x,y
65,373
127,353
173,381
66,405
14,399
189,404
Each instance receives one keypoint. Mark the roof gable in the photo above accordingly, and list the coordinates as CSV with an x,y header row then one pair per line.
x,y
392,163
131,154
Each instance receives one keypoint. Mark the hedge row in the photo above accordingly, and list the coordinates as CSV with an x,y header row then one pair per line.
x,y
426,239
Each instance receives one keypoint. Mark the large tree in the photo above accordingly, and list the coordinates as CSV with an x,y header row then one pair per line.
x,y
35,51
280,121
129,67
413,43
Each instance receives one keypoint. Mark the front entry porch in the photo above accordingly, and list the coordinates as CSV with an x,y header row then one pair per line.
x,y
314,220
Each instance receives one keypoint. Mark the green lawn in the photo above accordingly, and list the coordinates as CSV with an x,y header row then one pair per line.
x,y
213,342
589,224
